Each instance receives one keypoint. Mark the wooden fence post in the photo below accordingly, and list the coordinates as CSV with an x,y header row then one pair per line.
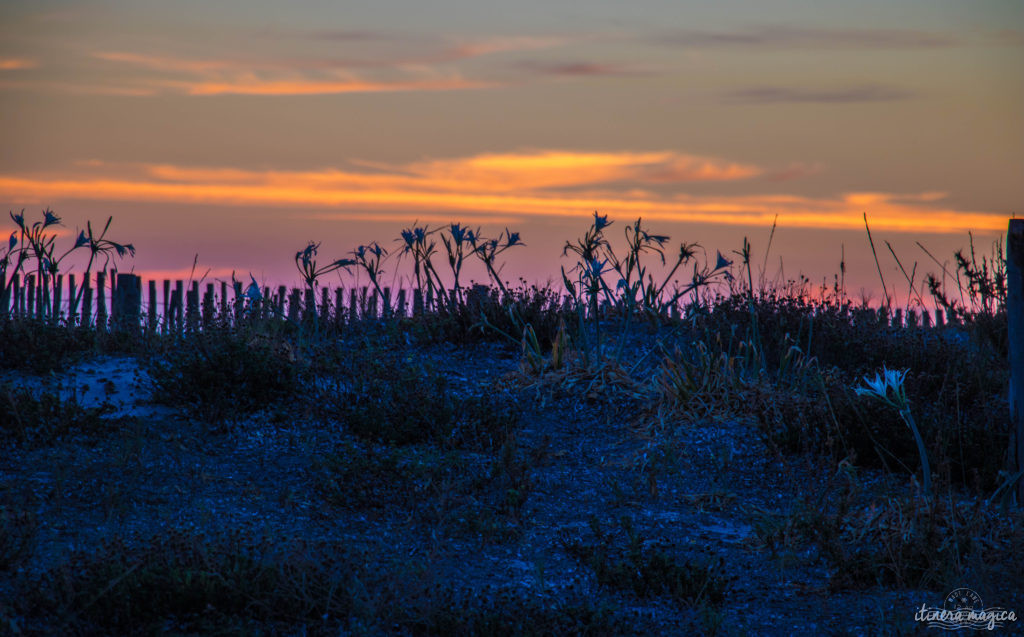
x,y
45,304
113,295
192,307
127,302
294,299
151,309
72,304
86,301
179,287
208,306
417,302
400,306
1015,320
339,307
58,290
174,309
15,295
238,301
30,286
309,312
101,300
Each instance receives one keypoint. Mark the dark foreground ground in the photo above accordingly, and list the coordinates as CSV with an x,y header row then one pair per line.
x,y
449,490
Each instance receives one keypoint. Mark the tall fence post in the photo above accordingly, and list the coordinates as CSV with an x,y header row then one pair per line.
x,y
151,308
1015,325
101,300
127,301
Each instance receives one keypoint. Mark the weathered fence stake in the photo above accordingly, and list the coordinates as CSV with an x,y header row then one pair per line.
x,y
16,296
400,308
86,301
57,291
151,310
30,285
101,300
1015,320
339,304
192,307
127,302
72,301
208,306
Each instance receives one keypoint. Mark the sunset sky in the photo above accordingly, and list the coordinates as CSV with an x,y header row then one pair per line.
x,y
240,130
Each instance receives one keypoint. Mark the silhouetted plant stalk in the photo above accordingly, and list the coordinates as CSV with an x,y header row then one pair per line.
x,y
985,290
99,246
417,242
455,244
37,242
879,389
369,258
305,261
635,290
589,271
755,336
459,243
487,250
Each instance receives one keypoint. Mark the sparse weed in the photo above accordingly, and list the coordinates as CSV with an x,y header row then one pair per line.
x,y
910,542
18,527
219,376
182,582
393,398
42,347
42,417
649,568
447,488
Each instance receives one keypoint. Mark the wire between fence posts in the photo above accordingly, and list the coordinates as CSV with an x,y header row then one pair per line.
x,y
1015,328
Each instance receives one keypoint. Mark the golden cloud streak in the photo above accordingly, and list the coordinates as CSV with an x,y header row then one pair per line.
x,y
557,168
317,87
203,77
890,212
161,63
17,64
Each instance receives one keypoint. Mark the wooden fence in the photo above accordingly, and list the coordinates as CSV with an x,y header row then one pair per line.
x,y
121,301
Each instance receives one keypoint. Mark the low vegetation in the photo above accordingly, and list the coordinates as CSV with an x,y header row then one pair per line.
x,y
439,428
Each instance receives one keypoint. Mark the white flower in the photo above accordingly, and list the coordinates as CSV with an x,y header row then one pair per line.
x,y
879,387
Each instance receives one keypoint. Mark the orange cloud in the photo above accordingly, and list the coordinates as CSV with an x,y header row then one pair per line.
x,y
277,78
319,87
17,64
506,44
558,168
525,184
162,63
